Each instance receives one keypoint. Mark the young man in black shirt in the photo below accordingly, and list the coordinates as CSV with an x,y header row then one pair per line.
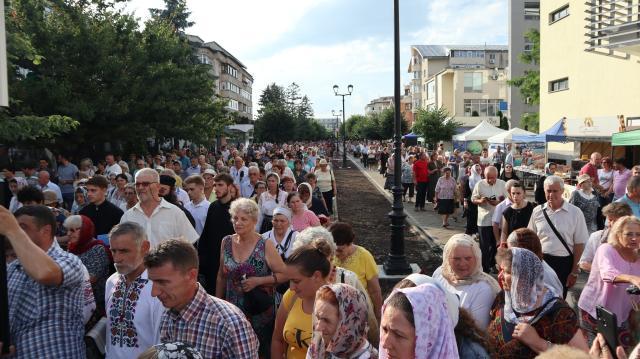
x,y
103,213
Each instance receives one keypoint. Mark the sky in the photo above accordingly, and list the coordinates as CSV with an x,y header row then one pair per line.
x,y
321,43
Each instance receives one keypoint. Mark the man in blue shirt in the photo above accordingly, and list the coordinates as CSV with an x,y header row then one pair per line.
x,y
45,287
67,174
632,197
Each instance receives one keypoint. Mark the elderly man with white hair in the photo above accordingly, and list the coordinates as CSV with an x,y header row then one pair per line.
x,y
487,194
562,230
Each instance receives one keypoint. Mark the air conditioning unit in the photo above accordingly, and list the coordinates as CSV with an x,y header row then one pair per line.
x,y
492,61
494,77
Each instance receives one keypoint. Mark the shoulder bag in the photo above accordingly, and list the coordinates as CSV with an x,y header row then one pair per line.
x,y
553,228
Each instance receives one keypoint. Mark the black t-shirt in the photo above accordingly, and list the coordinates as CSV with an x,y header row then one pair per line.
x,y
518,218
104,216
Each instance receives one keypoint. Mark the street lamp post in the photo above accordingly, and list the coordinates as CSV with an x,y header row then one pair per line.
x,y
396,263
344,125
337,130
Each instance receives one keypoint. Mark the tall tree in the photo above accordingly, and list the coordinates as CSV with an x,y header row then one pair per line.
x,y
386,123
176,13
529,83
435,125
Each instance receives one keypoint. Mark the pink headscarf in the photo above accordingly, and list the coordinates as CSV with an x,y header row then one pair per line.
x,y
434,329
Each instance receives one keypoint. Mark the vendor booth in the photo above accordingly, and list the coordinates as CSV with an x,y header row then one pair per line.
x,y
410,139
629,143
476,138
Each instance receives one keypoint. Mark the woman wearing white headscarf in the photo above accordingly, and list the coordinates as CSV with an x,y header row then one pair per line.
x,y
416,324
461,273
529,318
340,324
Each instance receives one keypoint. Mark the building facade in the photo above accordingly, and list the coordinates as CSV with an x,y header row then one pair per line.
x,y
593,84
233,81
378,105
468,81
523,16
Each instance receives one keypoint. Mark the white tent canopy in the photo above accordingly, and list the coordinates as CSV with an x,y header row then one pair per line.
x,y
479,133
506,137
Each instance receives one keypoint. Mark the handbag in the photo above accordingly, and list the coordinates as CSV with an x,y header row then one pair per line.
x,y
257,301
553,228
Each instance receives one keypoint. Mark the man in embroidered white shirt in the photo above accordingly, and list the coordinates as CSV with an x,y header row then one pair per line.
x,y
239,171
133,314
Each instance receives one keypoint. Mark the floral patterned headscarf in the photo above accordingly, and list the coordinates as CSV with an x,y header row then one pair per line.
x,y
434,329
528,291
350,338
176,350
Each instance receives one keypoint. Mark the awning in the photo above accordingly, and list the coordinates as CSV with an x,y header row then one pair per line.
x,y
507,137
629,138
557,133
479,133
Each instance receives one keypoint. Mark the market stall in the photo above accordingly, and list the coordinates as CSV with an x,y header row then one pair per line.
x,y
629,142
475,139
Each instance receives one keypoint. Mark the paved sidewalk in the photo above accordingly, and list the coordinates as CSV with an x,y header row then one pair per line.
x,y
429,222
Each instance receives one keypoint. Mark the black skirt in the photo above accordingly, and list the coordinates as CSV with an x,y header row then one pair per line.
x,y
445,206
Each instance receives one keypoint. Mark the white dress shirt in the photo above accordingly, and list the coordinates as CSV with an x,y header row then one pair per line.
x,y
52,187
199,213
166,222
239,175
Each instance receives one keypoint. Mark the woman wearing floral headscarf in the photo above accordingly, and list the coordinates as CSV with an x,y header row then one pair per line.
x,y
529,318
81,199
461,273
416,324
340,324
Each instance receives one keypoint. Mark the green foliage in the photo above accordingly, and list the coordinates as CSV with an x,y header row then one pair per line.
x,y
285,115
174,13
375,126
531,122
89,63
31,128
529,83
504,121
435,125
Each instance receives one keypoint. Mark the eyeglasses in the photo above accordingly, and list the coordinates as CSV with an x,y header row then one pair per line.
x,y
144,184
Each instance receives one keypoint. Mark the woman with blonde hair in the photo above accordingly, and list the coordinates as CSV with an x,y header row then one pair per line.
x,y
615,266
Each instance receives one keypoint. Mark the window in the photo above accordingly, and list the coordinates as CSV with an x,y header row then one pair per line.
x,y
416,74
473,82
528,44
531,10
431,90
559,14
559,85
245,94
204,59
481,107
228,69
468,53
233,104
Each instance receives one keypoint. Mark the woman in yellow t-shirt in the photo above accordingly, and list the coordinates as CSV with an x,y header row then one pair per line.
x,y
358,260
309,270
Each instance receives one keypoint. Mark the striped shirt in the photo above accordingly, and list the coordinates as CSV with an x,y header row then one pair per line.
x,y
212,326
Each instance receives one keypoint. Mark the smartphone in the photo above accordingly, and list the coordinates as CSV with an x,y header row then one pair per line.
x,y
608,327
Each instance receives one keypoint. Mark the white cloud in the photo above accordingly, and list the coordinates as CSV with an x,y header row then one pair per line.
x,y
469,23
240,26
367,64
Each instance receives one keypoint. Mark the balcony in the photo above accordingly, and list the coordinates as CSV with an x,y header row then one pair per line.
x,y
613,25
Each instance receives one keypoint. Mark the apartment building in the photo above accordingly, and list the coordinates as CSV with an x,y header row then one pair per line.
x,y
378,105
589,71
233,81
469,81
523,16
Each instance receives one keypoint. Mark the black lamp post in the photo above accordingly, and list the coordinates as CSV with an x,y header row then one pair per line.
x,y
344,125
337,131
396,263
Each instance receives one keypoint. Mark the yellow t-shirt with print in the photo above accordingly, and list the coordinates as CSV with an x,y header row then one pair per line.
x,y
298,328
361,263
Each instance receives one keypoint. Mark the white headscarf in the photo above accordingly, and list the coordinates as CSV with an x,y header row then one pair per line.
x,y
475,176
527,287
478,274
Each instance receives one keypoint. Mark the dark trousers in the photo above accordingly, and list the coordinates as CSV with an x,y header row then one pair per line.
x,y
498,166
472,219
562,266
488,247
328,199
68,198
421,194
409,187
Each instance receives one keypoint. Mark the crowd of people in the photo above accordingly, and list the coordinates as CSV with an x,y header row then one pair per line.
x,y
236,254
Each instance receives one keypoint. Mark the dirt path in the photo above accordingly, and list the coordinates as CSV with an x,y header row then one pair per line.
x,y
360,204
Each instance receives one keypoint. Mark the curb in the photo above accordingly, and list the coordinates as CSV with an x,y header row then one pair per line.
x,y
410,220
